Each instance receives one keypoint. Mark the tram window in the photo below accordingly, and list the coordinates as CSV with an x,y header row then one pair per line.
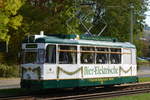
x,y
67,54
102,56
87,56
127,56
133,56
51,54
30,56
115,56
41,54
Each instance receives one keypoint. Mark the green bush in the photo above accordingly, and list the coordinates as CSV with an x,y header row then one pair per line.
x,y
9,71
143,62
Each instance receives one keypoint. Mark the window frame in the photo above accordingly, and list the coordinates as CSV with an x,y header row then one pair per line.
x,y
55,53
88,51
67,51
24,51
102,52
78,52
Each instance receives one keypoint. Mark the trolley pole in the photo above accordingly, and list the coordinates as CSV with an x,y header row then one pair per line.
x,y
131,24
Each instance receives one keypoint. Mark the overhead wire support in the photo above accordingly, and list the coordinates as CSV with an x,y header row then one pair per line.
x,y
86,18
80,15
103,28
131,25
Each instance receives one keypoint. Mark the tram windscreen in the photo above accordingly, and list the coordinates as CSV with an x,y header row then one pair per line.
x,y
30,57
33,56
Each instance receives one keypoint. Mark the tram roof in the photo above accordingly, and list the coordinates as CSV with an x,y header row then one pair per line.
x,y
57,40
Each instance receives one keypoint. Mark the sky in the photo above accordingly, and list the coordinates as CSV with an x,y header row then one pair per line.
x,y
147,20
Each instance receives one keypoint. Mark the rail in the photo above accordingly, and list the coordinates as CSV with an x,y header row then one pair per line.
x,y
99,92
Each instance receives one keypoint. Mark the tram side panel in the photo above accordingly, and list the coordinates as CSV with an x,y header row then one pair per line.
x,y
62,75
76,75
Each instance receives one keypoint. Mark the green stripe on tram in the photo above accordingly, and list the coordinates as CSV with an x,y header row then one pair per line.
x,y
43,84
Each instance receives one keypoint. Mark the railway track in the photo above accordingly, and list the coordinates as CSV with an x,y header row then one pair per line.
x,y
102,95
18,98
97,93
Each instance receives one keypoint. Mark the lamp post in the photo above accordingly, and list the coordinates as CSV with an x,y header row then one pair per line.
x,y
131,24
131,20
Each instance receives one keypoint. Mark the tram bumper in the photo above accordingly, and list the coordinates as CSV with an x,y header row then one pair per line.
x,y
31,84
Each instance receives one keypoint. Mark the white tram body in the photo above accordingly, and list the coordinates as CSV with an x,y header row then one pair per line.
x,y
59,62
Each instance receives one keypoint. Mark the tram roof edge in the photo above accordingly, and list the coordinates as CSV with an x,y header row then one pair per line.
x,y
84,37
54,39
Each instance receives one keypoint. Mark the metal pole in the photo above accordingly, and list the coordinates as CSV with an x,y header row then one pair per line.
x,y
131,24
7,46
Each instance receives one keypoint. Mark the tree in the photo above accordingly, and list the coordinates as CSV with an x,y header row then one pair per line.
x,y
63,17
52,17
116,13
9,18
10,21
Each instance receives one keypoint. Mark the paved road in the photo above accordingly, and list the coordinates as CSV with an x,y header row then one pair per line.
x,y
144,71
9,83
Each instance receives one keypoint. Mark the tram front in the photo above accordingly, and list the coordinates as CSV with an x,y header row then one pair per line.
x,y
32,63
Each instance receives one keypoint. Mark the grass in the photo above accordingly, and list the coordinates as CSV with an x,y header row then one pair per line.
x,y
145,96
13,91
144,79
21,91
141,62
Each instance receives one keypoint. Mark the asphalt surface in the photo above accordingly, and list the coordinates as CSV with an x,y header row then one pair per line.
x,y
15,82
10,83
144,71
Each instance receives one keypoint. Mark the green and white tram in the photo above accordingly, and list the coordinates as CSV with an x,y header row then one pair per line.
x,y
64,61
